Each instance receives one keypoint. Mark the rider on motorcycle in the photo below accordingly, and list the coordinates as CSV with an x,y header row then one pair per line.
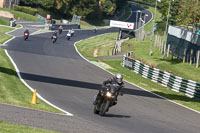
x,y
60,29
26,31
118,80
54,34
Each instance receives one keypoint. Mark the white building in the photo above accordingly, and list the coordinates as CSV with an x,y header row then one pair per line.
x,y
8,3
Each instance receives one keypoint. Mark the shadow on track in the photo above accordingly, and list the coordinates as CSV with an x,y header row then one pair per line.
x,y
73,83
116,116
80,84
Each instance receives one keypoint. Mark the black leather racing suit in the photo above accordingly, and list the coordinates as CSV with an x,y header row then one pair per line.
x,y
106,83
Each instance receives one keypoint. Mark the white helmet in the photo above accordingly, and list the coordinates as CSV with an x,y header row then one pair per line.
x,y
118,78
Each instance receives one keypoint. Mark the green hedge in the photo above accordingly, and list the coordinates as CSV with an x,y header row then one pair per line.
x,y
25,9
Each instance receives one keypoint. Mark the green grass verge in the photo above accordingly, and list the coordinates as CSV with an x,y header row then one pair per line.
x,y
174,66
141,51
13,91
4,22
21,15
104,48
14,128
4,37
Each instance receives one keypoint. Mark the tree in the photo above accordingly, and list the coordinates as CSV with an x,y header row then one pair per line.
x,y
108,7
82,7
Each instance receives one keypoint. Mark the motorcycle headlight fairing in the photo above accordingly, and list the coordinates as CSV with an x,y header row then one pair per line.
x,y
108,94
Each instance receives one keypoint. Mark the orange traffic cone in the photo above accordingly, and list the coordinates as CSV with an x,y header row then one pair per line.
x,y
34,98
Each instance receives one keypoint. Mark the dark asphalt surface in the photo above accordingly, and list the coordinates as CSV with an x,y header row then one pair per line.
x,y
62,77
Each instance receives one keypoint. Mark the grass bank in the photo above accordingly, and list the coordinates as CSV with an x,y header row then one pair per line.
x,y
21,15
13,128
4,22
141,51
174,66
13,91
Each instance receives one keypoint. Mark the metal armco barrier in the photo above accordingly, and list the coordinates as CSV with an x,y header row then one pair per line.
x,y
188,87
65,27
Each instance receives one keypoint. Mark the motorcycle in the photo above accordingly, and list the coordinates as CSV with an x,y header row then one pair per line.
x,y
108,99
25,36
72,32
54,38
60,31
68,36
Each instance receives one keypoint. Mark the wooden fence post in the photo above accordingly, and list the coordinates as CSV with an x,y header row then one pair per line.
x,y
178,50
155,41
168,48
172,51
162,45
184,55
191,52
198,54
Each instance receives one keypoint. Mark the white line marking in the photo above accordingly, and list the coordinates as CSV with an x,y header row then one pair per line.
x,y
38,95
128,81
18,106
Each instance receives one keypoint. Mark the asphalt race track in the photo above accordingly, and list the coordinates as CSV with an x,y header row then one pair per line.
x,y
64,78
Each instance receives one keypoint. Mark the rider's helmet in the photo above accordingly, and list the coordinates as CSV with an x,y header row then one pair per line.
x,y
118,78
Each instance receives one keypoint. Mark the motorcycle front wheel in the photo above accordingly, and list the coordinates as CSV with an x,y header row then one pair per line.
x,y
104,107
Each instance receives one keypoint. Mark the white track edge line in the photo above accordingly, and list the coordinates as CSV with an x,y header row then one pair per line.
x,y
18,106
22,80
128,81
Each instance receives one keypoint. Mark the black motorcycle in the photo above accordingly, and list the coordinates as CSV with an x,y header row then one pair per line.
x,y
54,38
108,98
59,31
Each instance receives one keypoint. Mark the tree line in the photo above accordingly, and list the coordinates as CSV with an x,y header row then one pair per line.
x,y
182,12
88,9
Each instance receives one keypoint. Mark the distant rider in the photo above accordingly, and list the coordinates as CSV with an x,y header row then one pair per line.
x,y
60,29
54,34
26,31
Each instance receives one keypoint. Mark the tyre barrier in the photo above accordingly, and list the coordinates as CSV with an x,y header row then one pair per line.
x,y
188,87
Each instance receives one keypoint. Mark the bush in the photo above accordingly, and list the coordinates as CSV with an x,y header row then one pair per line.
x,y
25,9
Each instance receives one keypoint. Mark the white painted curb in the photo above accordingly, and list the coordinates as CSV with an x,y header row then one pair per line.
x,y
38,95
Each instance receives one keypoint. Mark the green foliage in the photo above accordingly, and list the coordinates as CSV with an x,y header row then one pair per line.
x,y
25,9
107,7
83,7
14,128
88,9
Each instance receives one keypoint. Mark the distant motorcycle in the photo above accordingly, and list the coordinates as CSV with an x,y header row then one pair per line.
x,y
72,32
60,31
54,38
108,98
26,36
95,29
68,36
